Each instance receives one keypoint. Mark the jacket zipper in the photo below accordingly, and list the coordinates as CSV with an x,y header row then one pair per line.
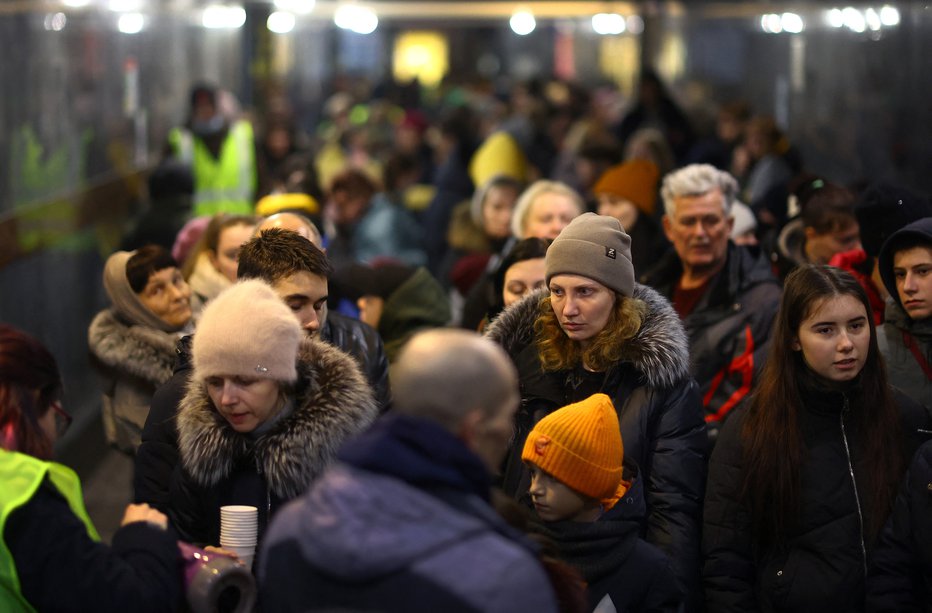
x,y
857,497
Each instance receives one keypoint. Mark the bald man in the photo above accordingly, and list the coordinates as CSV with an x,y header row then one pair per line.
x,y
403,521
294,222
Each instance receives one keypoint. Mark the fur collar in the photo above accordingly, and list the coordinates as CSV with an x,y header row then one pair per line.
x,y
659,351
332,403
138,351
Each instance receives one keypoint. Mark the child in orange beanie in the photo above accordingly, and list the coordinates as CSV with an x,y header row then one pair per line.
x,y
592,513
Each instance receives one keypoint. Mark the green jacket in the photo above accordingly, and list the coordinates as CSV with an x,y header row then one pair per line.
x,y
221,185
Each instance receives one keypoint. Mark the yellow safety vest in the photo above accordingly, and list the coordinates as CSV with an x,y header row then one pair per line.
x,y
20,478
221,185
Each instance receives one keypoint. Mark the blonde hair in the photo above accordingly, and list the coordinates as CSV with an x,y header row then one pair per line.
x,y
529,196
558,352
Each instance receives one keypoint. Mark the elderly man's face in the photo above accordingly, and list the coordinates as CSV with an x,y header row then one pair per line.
x,y
699,230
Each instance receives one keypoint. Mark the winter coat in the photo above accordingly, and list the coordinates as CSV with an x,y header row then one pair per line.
x,y
60,567
388,230
134,360
620,569
727,328
402,523
220,466
453,187
823,566
659,412
420,303
900,574
905,363
157,455
860,266
904,368
206,282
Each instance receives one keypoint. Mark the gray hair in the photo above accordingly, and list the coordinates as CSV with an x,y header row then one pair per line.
x,y
530,195
696,180
444,374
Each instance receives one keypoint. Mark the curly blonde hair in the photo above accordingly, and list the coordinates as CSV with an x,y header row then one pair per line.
x,y
558,352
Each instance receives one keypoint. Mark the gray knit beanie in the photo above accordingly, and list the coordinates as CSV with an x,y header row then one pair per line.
x,y
593,246
247,331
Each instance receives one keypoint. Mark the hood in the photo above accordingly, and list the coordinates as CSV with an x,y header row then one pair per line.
x,y
420,302
333,402
133,350
918,231
659,351
206,281
344,525
791,243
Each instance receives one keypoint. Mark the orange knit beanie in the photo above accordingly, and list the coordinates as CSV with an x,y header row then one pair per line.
x,y
634,180
581,446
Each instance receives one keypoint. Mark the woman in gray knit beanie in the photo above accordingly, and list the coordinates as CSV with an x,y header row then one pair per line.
x,y
597,331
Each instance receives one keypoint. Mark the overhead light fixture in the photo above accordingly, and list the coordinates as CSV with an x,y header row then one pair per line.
x,y
55,22
889,16
854,19
771,24
280,22
131,23
522,22
608,24
634,24
356,18
76,4
835,18
219,16
792,23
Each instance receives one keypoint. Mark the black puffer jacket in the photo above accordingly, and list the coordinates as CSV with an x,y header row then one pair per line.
x,y
900,575
220,466
659,412
362,342
823,566
157,456
727,328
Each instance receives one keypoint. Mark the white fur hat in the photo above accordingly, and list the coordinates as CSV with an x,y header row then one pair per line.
x,y
247,331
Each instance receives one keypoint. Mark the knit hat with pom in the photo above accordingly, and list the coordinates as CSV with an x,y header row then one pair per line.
x,y
581,446
593,246
247,331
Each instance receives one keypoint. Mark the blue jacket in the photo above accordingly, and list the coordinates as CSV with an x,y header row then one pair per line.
x,y
401,524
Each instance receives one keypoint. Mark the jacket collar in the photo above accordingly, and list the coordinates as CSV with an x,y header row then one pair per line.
x,y
659,351
333,402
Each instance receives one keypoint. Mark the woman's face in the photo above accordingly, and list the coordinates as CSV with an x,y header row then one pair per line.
x,y
522,278
168,297
549,214
835,338
244,402
226,258
496,211
582,306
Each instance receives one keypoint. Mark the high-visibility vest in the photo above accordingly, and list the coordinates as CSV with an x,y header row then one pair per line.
x,y
20,478
221,185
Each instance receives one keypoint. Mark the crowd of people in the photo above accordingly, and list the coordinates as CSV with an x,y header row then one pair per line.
x,y
498,354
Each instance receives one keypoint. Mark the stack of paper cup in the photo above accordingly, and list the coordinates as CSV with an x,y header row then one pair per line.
x,y
238,528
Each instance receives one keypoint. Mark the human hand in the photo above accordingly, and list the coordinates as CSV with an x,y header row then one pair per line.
x,y
143,512
221,551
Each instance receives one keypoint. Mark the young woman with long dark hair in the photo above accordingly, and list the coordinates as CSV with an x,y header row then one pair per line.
x,y
801,482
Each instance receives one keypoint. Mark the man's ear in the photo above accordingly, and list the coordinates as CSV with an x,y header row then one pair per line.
x,y
667,227
469,427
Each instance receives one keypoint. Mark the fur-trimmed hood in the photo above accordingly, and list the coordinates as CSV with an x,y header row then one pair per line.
x,y
333,401
659,351
133,350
